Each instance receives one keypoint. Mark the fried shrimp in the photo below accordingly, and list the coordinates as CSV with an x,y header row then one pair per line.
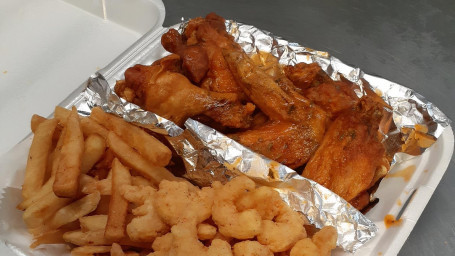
x,y
232,223
321,244
147,224
284,231
178,202
264,200
251,248
183,241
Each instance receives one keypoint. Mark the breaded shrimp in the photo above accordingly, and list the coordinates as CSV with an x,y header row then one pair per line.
x,y
205,231
322,243
326,240
251,248
178,202
163,244
264,199
147,224
282,233
186,243
232,223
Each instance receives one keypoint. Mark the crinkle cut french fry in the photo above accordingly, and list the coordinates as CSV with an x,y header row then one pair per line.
x,y
66,179
75,210
35,215
130,157
118,206
147,145
116,250
94,148
38,158
93,222
90,250
96,237
36,120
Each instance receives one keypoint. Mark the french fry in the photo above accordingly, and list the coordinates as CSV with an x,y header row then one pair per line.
x,y
75,210
103,206
140,181
116,250
44,236
47,187
94,148
130,157
36,120
147,145
90,127
90,250
93,222
61,114
49,237
96,237
37,158
118,206
44,190
103,186
35,215
132,254
66,179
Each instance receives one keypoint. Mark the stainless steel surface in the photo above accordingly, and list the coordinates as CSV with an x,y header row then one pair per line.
x,y
408,42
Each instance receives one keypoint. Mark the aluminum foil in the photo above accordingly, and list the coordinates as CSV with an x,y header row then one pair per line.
x,y
210,155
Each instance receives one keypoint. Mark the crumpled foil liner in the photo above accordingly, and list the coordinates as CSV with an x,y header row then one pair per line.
x,y
210,155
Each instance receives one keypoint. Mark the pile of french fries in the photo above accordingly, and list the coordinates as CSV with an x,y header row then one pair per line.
x,y
75,168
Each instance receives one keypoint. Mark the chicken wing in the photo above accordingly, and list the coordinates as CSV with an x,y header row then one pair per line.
x,y
305,75
195,62
284,105
284,142
172,96
334,96
351,153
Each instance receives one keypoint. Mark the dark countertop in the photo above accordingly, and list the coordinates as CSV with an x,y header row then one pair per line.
x,y
408,42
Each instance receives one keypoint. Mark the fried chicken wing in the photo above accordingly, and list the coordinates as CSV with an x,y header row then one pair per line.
x,y
334,96
284,142
351,152
269,96
195,62
305,75
174,97
219,78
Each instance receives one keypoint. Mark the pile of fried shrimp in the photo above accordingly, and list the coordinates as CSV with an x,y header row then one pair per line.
x,y
100,185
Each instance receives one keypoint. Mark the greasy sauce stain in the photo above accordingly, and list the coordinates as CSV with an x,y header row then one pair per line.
x,y
6,71
425,171
390,221
399,202
379,253
406,173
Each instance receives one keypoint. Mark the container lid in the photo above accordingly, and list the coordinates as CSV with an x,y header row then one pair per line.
x,y
50,47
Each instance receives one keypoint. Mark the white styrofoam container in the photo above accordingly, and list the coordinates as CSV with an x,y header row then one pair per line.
x,y
48,48
392,192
